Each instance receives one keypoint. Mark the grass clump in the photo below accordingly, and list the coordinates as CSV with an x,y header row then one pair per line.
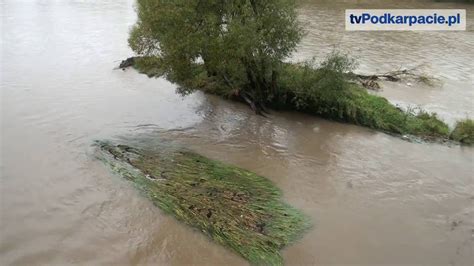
x,y
233,206
464,132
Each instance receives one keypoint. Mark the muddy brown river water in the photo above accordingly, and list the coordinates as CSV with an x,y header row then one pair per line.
x,y
374,199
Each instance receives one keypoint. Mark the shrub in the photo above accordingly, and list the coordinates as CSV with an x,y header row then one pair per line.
x,y
325,91
464,131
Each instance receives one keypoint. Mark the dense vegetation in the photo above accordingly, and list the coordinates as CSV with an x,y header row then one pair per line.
x,y
237,49
464,131
325,91
241,43
234,207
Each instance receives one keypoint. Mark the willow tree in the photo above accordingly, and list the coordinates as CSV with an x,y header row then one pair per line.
x,y
239,44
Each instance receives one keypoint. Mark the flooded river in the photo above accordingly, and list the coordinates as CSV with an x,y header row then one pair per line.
x,y
374,199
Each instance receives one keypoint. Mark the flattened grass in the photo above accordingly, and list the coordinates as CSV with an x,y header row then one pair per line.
x,y
233,206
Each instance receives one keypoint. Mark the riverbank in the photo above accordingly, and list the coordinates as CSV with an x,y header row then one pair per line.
x,y
326,92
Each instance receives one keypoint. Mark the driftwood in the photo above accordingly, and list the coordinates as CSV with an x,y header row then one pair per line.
x,y
371,81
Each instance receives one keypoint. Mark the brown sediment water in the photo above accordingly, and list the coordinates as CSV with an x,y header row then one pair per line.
x,y
374,199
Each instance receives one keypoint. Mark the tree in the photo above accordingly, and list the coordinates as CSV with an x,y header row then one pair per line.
x,y
240,44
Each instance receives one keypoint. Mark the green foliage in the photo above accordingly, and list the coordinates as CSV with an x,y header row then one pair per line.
x,y
464,132
152,66
426,124
241,43
325,91
234,207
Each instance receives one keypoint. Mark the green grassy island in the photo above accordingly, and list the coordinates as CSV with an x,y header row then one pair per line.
x,y
240,50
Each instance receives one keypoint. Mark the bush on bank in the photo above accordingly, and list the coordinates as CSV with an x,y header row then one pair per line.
x,y
464,131
326,92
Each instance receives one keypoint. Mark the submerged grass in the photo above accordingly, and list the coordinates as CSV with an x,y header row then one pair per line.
x,y
233,206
